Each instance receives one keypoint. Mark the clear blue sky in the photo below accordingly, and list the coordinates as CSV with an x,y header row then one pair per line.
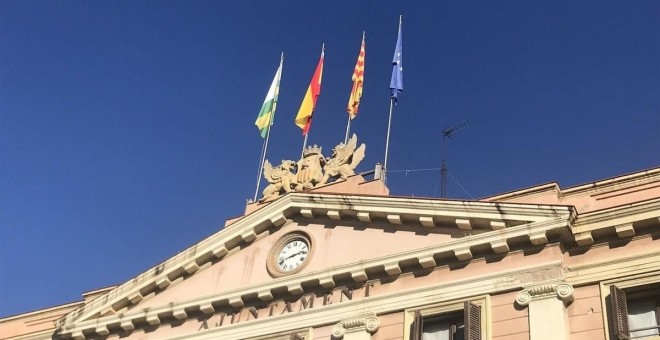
x,y
126,131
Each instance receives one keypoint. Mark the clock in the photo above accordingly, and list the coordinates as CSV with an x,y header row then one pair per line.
x,y
289,254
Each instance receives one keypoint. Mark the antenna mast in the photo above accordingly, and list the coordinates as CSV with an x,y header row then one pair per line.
x,y
447,133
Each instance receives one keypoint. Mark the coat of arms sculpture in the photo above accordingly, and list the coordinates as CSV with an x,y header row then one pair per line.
x,y
313,170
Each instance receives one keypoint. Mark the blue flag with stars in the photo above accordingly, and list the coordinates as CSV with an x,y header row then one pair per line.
x,y
396,83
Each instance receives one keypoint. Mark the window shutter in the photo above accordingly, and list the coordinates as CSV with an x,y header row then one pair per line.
x,y
619,313
417,324
296,336
472,320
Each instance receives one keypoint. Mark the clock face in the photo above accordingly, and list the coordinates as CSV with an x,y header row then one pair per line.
x,y
292,255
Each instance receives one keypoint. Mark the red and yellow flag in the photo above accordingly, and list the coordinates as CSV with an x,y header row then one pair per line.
x,y
304,116
358,83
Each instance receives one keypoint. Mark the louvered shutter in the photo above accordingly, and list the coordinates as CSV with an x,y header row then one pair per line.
x,y
417,326
296,336
472,320
619,315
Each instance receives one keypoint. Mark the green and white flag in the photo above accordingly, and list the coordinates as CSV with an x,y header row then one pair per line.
x,y
267,113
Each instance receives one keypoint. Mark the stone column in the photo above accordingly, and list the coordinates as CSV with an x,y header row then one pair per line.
x,y
547,303
359,327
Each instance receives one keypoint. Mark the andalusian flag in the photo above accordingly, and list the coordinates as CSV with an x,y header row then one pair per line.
x,y
267,113
304,116
358,83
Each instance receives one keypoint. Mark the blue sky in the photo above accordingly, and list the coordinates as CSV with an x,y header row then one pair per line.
x,y
126,128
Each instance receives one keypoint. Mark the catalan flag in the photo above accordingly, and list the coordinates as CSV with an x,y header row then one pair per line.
x,y
267,113
358,83
304,116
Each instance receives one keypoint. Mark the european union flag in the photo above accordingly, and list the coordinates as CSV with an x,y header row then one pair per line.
x,y
396,83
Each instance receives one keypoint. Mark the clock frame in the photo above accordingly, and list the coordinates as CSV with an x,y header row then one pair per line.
x,y
271,264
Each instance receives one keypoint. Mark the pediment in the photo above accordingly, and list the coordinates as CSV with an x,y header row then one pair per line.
x,y
355,238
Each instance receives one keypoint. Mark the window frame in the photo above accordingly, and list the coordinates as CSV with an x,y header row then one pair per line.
x,y
440,309
304,333
640,285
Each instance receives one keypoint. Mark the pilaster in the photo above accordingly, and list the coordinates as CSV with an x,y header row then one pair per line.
x,y
359,327
547,303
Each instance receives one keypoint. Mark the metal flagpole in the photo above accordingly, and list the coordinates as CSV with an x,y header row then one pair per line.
x,y
348,129
302,153
261,164
264,149
387,142
396,86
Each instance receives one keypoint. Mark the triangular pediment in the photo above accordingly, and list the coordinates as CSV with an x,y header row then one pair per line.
x,y
353,239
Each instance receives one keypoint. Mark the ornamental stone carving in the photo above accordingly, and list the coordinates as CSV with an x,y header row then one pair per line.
x,y
562,290
364,323
312,170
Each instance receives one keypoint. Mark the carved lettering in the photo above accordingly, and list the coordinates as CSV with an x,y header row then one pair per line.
x,y
222,319
307,301
237,316
327,299
337,295
271,306
287,307
253,311
347,292
367,286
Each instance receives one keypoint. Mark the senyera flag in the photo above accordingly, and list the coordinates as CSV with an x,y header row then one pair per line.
x,y
304,116
267,113
396,83
358,83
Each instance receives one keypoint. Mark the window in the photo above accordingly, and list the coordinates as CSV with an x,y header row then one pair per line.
x,y
301,334
450,326
635,313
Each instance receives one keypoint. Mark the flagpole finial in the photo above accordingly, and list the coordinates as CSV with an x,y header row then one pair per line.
x,y
363,33
282,56
323,47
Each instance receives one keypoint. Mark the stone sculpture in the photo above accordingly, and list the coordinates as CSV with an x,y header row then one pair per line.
x,y
312,170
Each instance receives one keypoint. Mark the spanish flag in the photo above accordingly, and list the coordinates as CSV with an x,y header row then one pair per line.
x,y
358,83
304,116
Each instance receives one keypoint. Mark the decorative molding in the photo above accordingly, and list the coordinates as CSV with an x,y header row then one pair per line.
x,y
367,322
539,218
389,264
563,291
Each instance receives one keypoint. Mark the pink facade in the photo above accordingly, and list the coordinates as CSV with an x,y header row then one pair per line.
x,y
539,263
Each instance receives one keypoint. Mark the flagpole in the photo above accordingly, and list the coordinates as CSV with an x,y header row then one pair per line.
x,y
304,145
396,86
261,164
348,129
387,142
264,148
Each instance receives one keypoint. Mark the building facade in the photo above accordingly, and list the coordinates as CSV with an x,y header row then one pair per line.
x,y
349,261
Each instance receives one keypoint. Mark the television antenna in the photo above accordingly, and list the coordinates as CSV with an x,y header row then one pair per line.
x,y
447,133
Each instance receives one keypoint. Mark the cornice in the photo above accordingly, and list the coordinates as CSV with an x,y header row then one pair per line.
x,y
618,183
619,220
543,218
458,290
459,249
